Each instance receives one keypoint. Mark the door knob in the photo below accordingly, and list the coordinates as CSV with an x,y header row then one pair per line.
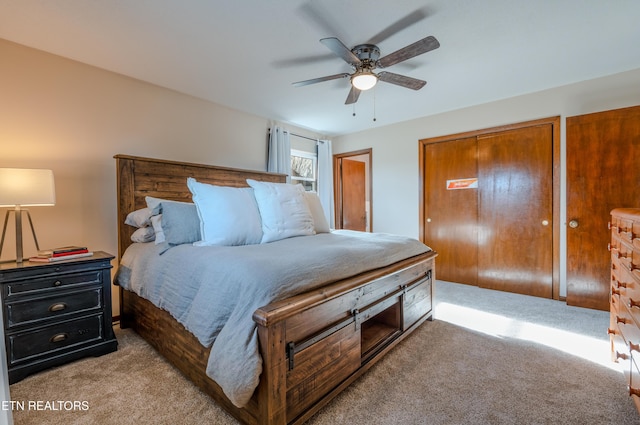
x,y
573,224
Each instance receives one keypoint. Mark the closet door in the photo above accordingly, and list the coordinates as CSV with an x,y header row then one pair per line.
x,y
503,233
515,211
603,172
451,214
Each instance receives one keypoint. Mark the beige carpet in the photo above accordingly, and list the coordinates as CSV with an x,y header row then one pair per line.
x,y
443,374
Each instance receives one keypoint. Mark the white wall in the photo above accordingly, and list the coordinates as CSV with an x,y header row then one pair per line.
x,y
395,147
73,118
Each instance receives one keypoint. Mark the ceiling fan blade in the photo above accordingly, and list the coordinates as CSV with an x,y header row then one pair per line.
x,y
319,80
401,80
353,96
340,50
412,50
321,17
412,18
306,60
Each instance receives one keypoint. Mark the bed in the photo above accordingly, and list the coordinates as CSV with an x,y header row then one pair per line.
x,y
312,340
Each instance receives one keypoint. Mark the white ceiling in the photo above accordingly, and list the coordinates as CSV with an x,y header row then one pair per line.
x,y
246,53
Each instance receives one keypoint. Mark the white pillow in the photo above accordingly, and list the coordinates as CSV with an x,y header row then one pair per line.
x,y
283,209
228,215
320,223
139,218
143,234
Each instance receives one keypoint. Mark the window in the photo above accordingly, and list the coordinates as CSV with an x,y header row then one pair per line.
x,y
304,166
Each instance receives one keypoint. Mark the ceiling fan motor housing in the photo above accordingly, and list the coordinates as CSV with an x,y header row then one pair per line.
x,y
367,53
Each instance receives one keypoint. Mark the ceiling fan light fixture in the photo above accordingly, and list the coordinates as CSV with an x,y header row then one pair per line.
x,y
364,80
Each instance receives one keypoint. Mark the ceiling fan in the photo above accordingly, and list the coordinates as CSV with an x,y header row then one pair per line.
x,y
365,58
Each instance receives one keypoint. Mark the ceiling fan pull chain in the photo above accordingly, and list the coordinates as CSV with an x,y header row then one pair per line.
x,y
374,104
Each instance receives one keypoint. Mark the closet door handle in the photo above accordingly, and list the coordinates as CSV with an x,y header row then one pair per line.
x,y
574,224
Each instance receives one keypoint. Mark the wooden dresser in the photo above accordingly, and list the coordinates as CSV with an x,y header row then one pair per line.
x,y
624,329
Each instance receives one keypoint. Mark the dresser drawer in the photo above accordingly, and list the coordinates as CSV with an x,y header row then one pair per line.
x,y
627,326
55,281
634,381
625,227
620,354
33,310
624,285
26,345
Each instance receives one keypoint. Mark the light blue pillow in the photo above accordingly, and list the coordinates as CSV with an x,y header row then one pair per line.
x,y
228,215
180,221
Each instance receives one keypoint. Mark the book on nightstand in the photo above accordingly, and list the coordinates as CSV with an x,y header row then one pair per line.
x,y
61,254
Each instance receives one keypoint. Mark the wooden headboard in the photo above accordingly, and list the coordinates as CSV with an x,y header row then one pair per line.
x,y
138,177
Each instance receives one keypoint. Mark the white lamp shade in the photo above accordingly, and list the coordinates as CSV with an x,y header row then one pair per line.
x,y
364,80
26,187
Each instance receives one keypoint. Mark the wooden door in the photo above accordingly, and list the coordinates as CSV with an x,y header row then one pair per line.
x,y
450,215
354,210
515,211
505,234
603,172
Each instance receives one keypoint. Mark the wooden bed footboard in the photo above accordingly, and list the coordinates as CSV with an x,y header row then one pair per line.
x,y
313,345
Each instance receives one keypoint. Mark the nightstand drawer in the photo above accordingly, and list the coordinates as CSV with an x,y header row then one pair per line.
x,y
55,281
25,345
33,310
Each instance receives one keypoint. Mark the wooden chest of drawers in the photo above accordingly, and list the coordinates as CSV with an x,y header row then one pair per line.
x,y
624,329
56,312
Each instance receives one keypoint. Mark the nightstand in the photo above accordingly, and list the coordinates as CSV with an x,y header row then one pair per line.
x,y
56,312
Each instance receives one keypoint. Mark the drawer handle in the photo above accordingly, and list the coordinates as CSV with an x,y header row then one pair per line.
x,y
621,320
621,284
622,356
57,283
621,255
59,337
633,303
57,307
634,391
615,291
611,331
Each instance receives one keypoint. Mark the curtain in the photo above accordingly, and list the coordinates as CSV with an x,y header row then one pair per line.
x,y
279,152
325,179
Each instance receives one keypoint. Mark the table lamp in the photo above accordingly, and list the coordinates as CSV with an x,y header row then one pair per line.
x,y
21,187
